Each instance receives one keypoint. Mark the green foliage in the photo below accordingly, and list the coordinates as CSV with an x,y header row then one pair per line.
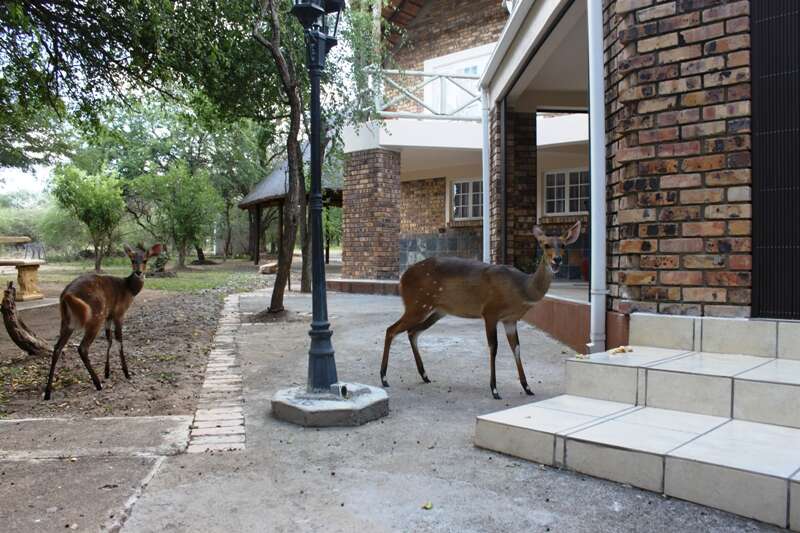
x,y
180,206
95,200
61,232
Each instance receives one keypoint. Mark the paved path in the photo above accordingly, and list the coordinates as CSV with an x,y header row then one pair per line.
x,y
378,477
65,474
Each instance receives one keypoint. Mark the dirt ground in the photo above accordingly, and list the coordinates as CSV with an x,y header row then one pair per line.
x,y
167,336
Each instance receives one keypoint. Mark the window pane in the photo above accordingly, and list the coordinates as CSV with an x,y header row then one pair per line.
x,y
476,211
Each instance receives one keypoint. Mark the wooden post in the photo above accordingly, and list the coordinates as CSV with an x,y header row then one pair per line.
x,y
257,251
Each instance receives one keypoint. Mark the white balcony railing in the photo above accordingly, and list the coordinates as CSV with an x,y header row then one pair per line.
x,y
429,95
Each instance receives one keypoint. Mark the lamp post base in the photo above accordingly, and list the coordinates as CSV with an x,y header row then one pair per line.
x,y
347,404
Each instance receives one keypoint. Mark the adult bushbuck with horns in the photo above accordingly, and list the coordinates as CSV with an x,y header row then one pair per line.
x,y
93,302
440,286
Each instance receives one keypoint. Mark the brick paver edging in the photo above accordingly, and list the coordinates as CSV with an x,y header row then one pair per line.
x,y
219,420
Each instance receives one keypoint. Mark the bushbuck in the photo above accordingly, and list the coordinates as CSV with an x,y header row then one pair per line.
x,y
440,286
93,302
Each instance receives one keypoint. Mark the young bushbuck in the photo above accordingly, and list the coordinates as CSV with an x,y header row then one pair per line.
x,y
441,286
92,302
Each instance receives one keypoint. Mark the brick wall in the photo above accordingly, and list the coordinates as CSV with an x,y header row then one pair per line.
x,y
519,216
440,28
678,106
422,206
446,26
371,219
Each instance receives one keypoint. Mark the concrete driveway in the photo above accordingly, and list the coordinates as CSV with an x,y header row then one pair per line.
x,y
378,477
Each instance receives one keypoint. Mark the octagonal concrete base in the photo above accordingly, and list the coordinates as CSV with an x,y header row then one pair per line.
x,y
361,405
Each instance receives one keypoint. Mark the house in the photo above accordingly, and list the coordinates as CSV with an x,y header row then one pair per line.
x,y
694,181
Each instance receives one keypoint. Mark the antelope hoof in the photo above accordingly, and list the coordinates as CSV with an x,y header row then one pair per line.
x,y
107,373
495,395
528,391
384,382
128,375
425,378
47,396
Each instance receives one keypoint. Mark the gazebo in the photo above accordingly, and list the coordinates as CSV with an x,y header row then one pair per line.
x,y
272,192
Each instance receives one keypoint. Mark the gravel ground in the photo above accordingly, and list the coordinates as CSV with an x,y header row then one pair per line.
x,y
167,336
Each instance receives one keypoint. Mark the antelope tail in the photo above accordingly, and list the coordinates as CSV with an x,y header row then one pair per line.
x,y
76,310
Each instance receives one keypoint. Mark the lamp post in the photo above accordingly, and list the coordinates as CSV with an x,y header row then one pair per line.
x,y
325,401
313,15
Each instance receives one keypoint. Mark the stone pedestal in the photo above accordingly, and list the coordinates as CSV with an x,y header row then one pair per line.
x,y
348,404
28,280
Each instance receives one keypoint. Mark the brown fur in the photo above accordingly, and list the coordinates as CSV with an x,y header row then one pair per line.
x,y
92,303
440,286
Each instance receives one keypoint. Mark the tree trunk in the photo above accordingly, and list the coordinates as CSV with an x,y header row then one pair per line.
x,y
182,256
251,234
98,257
17,330
201,255
228,233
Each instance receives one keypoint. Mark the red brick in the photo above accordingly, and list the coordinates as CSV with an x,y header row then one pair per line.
x,y
668,214
703,262
702,196
631,246
634,277
738,59
681,181
727,44
636,153
739,159
740,262
667,40
700,98
704,294
681,245
703,229
733,143
739,296
728,177
658,166
727,77
728,279
702,163
656,12
654,105
659,261
739,194
733,109
703,65
679,22
659,73
680,85
703,33
680,54
681,277
738,244
679,149
659,135
734,9
728,211
737,25
684,116
740,227
624,6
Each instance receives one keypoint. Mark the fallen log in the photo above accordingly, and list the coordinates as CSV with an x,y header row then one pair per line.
x,y
22,336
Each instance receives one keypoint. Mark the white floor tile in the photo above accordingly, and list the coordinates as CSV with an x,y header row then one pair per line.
x,y
712,364
751,446
639,356
775,371
649,430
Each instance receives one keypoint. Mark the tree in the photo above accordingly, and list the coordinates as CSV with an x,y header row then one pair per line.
x,y
180,206
69,57
94,199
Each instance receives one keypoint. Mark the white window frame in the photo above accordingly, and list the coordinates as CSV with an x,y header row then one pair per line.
x,y
450,200
543,192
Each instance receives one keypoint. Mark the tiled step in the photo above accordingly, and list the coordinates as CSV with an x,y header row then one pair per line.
x,y
751,469
747,387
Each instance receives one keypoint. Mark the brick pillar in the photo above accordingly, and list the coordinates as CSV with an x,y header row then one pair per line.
x,y
371,215
519,159
678,133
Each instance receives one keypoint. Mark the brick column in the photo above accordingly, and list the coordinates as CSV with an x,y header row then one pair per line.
x,y
371,215
519,158
678,133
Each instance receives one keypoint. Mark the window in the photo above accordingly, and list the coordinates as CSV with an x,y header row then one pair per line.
x,y
566,192
467,200
449,96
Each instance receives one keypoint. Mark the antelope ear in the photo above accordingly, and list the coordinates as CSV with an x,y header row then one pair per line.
x,y
572,234
154,250
538,233
128,250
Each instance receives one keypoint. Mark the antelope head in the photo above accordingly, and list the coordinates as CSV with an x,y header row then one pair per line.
x,y
139,257
553,247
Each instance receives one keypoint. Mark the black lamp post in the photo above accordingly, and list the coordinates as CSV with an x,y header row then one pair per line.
x,y
313,15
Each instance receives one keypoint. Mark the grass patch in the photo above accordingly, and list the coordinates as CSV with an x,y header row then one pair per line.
x,y
186,281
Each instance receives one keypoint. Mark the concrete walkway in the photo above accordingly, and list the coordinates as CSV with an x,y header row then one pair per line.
x,y
379,477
